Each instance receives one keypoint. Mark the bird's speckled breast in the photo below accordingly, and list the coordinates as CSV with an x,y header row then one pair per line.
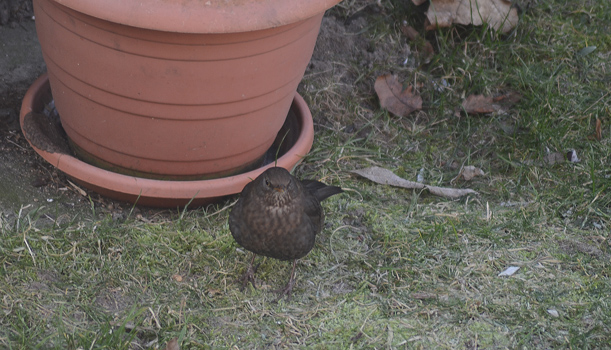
x,y
283,233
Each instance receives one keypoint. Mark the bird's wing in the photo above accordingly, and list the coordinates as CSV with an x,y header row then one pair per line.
x,y
237,226
314,212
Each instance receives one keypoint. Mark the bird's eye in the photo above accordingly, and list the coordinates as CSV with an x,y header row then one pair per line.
x,y
267,182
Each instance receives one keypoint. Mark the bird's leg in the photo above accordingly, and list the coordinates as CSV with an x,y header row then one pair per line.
x,y
249,275
289,286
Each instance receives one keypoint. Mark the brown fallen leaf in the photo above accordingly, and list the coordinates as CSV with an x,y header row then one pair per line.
x,y
469,172
550,158
424,296
172,345
554,158
410,32
177,277
598,131
423,46
507,100
480,104
450,192
387,177
572,247
393,98
212,292
39,182
497,13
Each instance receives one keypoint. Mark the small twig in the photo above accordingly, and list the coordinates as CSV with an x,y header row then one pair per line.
x,y
155,318
593,104
70,251
20,211
78,189
15,144
222,209
28,245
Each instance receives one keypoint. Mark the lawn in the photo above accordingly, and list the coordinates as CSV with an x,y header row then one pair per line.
x,y
393,267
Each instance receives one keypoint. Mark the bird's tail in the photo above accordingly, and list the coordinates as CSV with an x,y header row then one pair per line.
x,y
320,190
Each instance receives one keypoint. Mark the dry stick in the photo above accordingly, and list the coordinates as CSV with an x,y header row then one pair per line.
x,y
593,104
28,245
280,145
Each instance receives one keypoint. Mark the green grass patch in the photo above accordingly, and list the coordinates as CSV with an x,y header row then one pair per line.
x,y
393,268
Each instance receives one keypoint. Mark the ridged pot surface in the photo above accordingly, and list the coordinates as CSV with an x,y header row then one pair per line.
x,y
167,104
293,142
201,16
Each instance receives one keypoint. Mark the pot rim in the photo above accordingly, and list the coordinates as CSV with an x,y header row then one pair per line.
x,y
201,16
163,193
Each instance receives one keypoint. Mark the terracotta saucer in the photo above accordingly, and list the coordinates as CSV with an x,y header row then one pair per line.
x,y
161,193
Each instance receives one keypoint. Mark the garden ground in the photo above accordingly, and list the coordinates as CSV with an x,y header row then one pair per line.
x,y
393,268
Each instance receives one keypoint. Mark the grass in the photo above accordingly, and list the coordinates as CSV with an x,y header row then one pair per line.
x,y
393,268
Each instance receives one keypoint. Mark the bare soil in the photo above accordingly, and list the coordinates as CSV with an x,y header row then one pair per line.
x,y
26,181
12,12
28,184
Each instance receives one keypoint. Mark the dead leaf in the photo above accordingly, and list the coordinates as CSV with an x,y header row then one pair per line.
x,y
480,104
177,278
387,177
469,172
424,47
172,345
507,100
497,13
394,99
450,192
212,292
424,296
410,32
554,158
572,247
598,132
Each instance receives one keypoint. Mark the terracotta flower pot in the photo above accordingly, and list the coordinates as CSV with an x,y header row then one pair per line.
x,y
293,142
173,89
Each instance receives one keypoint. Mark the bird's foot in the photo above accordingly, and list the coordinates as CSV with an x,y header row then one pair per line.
x,y
249,276
286,291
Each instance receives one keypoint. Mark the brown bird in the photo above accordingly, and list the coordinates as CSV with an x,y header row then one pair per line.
x,y
279,216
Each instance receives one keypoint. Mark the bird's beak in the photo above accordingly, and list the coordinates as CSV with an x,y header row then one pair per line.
x,y
279,189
